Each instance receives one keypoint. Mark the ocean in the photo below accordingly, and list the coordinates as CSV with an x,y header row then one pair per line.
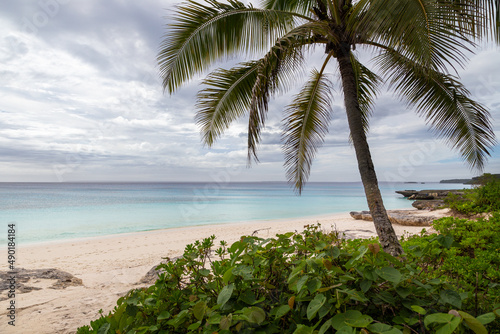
x,y
46,212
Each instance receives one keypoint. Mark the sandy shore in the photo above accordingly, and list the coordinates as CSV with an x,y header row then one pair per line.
x,y
110,266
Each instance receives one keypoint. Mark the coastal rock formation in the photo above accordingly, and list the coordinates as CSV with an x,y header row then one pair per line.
x,y
361,215
400,217
27,279
429,194
432,204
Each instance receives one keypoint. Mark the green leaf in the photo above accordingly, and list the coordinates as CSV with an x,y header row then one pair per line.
x,y
228,275
301,282
248,297
281,311
449,322
132,310
225,294
362,321
313,285
325,327
104,329
473,323
204,272
314,306
244,271
387,297
334,252
225,322
255,314
150,302
445,241
379,328
346,330
194,326
303,329
199,310
351,318
370,274
178,319
296,271
214,319
449,327
358,255
365,285
356,295
390,274
403,292
450,297
164,315
486,318
418,309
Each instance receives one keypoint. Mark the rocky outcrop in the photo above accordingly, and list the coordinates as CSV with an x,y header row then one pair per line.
x,y
433,204
26,278
400,217
429,194
361,215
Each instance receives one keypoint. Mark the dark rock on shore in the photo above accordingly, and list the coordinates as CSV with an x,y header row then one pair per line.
x,y
429,194
400,217
433,204
23,276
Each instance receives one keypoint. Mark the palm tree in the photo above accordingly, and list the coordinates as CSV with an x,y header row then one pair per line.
x,y
414,43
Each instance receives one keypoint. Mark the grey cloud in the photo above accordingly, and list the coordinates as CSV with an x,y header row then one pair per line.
x,y
117,123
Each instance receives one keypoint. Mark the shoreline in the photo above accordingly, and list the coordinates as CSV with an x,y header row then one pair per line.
x,y
111,265
179,228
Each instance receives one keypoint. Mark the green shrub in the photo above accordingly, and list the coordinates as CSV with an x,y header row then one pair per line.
x,y
468,257
310,282
485,198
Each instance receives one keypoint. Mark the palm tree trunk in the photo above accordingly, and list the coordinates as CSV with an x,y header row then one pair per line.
x,y
383,226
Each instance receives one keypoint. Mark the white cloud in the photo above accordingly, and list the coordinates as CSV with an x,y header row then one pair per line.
x,y
81,100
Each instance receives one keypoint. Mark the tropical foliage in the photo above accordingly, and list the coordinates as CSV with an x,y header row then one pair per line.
x,y
315,282
414,44
485,198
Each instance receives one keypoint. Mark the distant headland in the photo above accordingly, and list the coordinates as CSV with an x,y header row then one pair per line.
x,y
474,180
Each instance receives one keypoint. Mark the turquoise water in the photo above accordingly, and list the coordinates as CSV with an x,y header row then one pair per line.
x,y
57,211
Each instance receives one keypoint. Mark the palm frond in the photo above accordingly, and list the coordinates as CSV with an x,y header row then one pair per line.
x,y
445,104
276,71
227,97
298,6
248,87
202,34
474,18
421,30
367,84
306,123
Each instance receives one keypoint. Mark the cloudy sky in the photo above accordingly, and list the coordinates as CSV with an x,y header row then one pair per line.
x,y
81,100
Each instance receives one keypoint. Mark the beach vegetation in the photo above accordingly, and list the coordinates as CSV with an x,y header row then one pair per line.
x,y
484,198
317,282
415,47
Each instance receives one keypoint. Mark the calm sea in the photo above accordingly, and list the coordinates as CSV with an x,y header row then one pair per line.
x,y
57,211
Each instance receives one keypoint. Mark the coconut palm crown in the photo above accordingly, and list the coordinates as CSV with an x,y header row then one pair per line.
x,y
416,46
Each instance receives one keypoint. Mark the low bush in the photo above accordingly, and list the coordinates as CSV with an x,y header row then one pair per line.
x,y
469,258
485,198
310,282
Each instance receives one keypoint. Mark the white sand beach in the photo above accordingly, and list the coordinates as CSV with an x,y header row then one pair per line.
x,y
112,265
